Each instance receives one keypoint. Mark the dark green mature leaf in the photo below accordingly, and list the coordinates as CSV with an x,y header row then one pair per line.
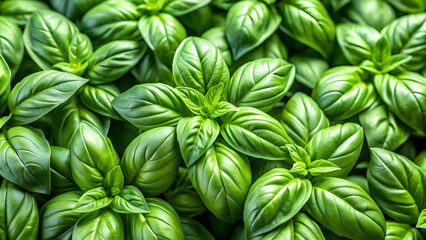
x,y
382,129
374,13
405,96
5,79
47,38
406,35
98,98
216,35
20,11
41,92
356,41
99,225
194,230
11,44
308,68
162,223
409,6
130,201
195,135
112,20
151,70
25,158
346,209
199,64
182,7
60,170
401,231
308,22
339,144
343,91
151,161
256,134
162,33
93,200
18,213
397,185
151,105
305,228
261,83
302,118
113,60
273,200
73,9
249,24
57,219
222,178
92,156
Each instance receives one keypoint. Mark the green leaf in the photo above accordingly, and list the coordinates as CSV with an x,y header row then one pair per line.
x,y
19,217
261,83
151,105
381,51
73,9
339,144
223,108
308,22
182,7
406,35
92,156
112,20
151,160
101,224
319,167
256,134
60,170
395,61
41,92
302,118
403,231
5,80
195,135
194,230
162,33
222,178
343,91
162,223
273,200
113,60
375,13
192,98
308,68
370,66
356,41
150,70
248,24
25,158
421,222
130,201
48,37
299,169
346,209
4,120
98,98
216,35
213,95
298,154
11,43
57,218
114,181
80,49
410,6
305,228
93,200
405,96
198,64
397,185
20,11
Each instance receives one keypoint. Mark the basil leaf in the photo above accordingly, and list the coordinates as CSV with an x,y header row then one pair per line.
x,y
382,129
113,60
300,15
73,9
151,105
381,51
395,61
25,158
112,20
5,79
308,69
339,144
397,185
319,167
20,11
57,218
249,24
162,223
162,33
98,98
343,91
405,96
47,38
216,35
273,200
151,161
60,170
298,154
192,98
305,228
92,156
11,44
302,118
406,35
222,178
195,135
114,181
92,200
374,13
213,95
346,209
396,230
356,41
194,230
261,166
182,7
18,213
198,64
130,201
256,134
421,222
80,49
223,108
101,224
261,83
410,6
41,92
